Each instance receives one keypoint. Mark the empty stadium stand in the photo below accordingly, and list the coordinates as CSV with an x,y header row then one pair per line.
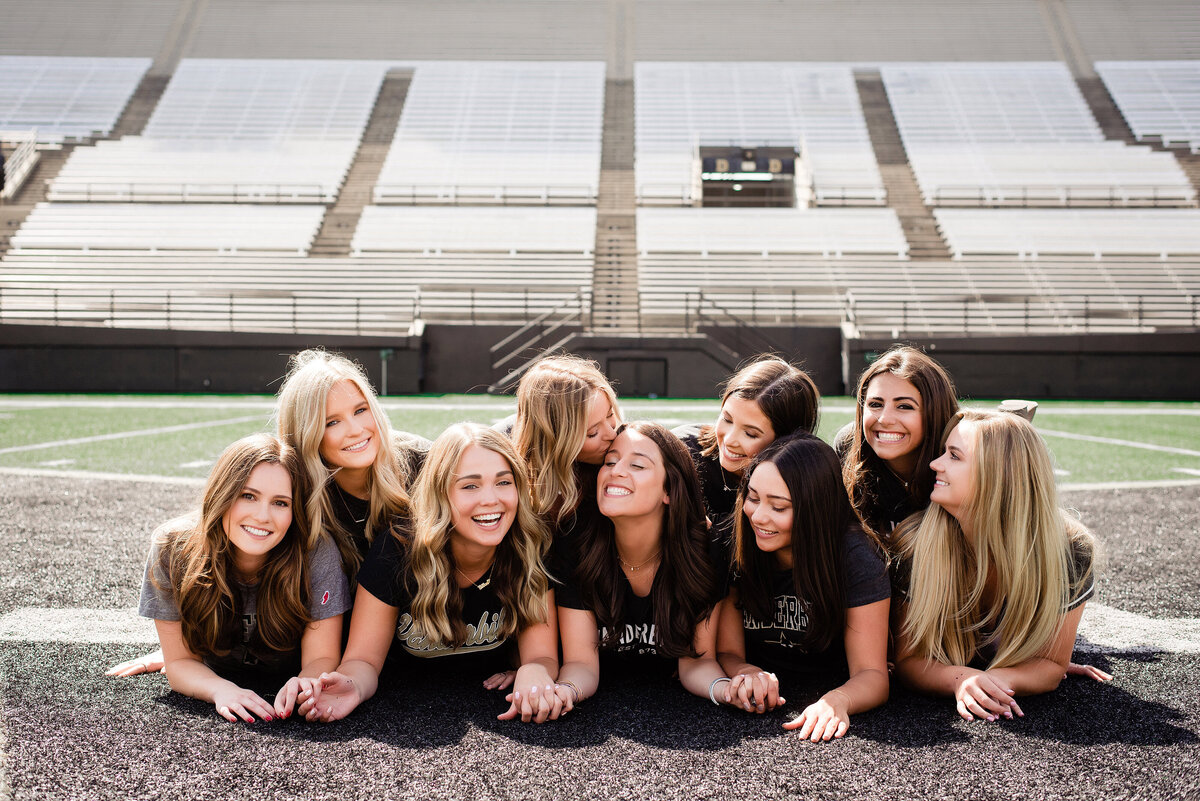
x,y
1159,99
63,98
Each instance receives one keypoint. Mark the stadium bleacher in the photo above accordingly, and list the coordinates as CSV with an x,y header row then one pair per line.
x,y
64,98
501,132
1018,133
813,107
1158,99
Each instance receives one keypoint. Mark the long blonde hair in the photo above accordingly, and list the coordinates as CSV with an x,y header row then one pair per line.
x,y
553,401
518,573
1020,534
199,559
300,418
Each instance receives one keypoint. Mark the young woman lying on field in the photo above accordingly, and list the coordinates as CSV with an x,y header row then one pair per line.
x,y
238,590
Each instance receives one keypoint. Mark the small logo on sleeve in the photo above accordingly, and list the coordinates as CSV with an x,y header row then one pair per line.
x,y
325,598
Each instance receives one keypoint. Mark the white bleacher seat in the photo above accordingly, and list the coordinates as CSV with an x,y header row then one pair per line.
x,y
1018,133
1097,232
680,105
236,130
475,230
523,132
66,98
136,226
829,232
1159,99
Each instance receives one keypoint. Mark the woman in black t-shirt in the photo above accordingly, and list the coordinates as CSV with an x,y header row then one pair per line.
x,y
767,398
464,578
811,594
640,582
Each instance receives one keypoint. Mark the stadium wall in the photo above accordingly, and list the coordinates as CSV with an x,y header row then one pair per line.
x,y
1164,366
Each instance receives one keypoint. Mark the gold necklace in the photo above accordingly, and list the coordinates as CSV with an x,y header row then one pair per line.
x,y
487,573
636,568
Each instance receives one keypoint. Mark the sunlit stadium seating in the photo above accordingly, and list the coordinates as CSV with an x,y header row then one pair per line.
x,y
66,98
680,105
236,130
228,228
1018,134
1029,233
497,132
1158,99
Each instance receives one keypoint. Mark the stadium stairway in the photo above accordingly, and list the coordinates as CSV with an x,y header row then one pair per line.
x,y
916,220
341,220
14,212
140,106
615,275
1113,124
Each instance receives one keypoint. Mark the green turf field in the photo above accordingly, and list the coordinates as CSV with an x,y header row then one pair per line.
x,y
180,436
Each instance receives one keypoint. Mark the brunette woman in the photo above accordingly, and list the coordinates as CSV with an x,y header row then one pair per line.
x,y
811,595
766,399
994,575
239,590
640,583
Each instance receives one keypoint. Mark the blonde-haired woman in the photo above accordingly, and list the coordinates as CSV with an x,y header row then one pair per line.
x,y
567,416
236,592
358,467
464,578
997,574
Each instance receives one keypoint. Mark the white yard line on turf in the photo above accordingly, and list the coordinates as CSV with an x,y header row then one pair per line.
x,y
99,476
145,432
1104,627
1146,446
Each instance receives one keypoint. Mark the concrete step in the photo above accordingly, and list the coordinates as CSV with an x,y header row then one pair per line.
x,y
141,106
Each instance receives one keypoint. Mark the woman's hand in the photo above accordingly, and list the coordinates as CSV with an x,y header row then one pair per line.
x,y
150,663
539,704
295,691
1087,671
332,696
500,681
826,719
979,694
756,691
233,702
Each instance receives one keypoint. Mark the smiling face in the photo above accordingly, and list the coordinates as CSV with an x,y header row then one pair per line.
x,y
954,470
351,438
892,421
483,499
768,509
632,481
601,428
742,431
259,517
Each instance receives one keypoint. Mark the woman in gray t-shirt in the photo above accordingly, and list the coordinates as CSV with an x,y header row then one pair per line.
x,y
235,591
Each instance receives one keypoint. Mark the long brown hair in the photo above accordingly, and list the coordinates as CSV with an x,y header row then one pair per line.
x,y
200,560
821,515
785,394
685,582
862,467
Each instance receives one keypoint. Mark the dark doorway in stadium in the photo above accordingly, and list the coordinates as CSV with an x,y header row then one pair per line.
x,y
642,377
747,176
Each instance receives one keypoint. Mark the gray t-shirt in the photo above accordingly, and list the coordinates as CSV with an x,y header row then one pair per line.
x,y
329,595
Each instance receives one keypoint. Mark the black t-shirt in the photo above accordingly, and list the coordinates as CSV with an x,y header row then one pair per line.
x,y
889,500
352,512
718,486
383,575
637,635
776,645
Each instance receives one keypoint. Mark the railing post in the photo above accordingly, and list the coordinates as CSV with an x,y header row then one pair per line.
x,y
358,316
966,326
1026,314
168,310
472,296
1140,298
293,314
112,307
56,305
1087,312
230,311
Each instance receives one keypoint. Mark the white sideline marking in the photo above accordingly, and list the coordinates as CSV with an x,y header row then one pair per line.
x,y
197,463
1113,629
98,476
145,432
1130,485
1188,470
39,624
1103,627
57,463
1125,442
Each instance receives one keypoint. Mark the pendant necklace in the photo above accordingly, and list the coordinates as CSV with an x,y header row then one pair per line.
x,y
486,574
636,568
